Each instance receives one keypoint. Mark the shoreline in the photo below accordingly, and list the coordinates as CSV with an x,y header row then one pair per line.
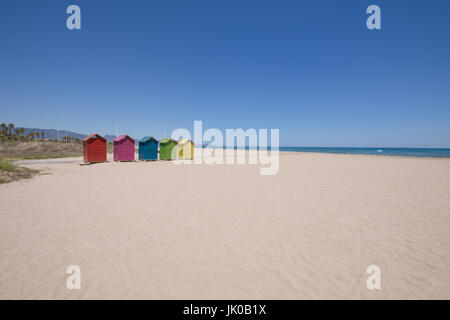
x,y
369,155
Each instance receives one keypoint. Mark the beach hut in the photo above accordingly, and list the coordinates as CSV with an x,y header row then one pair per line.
x,y
148,148
167,149
185,149
94,148
124,148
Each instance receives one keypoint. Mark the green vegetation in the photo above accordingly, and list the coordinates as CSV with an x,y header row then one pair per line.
x,y
7,166
10,172
8,133
16,150
14,145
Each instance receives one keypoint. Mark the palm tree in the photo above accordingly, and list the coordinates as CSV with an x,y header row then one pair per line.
x,y
10,127
42,135
19,132
16,134
4,129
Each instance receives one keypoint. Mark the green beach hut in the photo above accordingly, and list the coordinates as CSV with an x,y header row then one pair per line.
x,y
167,149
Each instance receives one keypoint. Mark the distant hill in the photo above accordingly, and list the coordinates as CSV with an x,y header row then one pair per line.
x,y
53,134
109,137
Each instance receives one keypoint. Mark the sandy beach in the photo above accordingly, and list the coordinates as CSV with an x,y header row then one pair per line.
x,y
155,230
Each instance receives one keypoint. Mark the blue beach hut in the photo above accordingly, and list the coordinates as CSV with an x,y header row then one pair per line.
x,y
148,148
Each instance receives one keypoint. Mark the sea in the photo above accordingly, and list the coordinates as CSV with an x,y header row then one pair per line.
x,y
404,152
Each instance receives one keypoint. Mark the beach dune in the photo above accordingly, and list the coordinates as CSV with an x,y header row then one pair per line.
x,y
156,230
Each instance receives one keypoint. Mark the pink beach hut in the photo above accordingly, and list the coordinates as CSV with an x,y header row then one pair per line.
x,y
124,148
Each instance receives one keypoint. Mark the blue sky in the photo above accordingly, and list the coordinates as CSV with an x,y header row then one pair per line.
x,y
310,68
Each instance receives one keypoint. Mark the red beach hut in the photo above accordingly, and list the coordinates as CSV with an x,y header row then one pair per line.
x,y
94,148
124,148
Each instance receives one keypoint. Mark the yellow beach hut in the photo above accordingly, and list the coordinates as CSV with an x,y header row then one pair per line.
x,y
185,149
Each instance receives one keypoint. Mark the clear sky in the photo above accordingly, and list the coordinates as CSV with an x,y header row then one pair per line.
x,y
310,68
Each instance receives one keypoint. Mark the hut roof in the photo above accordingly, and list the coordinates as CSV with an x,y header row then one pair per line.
x,y
166,140
94,135
123,137
145,139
